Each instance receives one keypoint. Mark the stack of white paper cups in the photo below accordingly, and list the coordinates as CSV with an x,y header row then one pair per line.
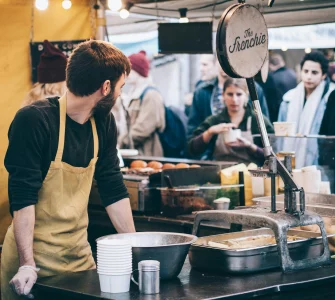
x,y
114,265
311,177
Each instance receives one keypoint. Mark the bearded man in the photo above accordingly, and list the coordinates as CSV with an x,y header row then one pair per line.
x,y
56,147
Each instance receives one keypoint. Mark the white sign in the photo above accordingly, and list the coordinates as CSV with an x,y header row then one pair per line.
x,y
301,37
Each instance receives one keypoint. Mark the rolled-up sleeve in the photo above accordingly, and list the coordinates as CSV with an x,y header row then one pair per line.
x,y
108,175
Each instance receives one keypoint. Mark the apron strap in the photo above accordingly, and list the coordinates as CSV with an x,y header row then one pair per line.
x,y
95,138
249,124
62,123
61,137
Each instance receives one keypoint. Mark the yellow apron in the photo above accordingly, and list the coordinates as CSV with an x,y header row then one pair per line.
x,y
60,234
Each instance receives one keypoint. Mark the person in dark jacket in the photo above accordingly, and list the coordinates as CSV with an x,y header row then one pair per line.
x,y
280,80
326,146
207,101
209,136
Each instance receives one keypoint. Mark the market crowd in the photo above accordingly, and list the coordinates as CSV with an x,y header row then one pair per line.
x,y
218,105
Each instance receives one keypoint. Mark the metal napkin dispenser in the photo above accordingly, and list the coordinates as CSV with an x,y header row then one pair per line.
x,y
143,197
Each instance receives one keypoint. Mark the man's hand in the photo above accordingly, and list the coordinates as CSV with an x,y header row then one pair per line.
x,y
24,280
121,216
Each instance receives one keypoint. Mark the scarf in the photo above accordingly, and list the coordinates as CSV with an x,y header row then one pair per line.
x,y
304,115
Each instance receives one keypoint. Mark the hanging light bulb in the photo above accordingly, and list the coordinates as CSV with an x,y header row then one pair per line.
x,y
114,5
66,4
183,18
41,4
124,14
308,50
284,48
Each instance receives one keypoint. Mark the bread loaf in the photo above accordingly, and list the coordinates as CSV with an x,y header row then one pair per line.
x,y
182,166
137,164
155,165
168,166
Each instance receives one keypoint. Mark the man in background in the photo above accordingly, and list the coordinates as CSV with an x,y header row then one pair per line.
x,y
280,80
208,72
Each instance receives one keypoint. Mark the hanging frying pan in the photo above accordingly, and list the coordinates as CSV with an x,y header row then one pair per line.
x,y
242,48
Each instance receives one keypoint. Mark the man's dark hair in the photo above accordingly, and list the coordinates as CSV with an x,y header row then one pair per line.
x,y
317,57
276,59
91,64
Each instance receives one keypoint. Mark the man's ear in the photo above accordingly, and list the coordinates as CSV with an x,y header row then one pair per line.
x,y
106,87
324,76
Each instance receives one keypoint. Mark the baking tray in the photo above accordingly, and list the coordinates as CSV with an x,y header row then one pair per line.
x,y
207,258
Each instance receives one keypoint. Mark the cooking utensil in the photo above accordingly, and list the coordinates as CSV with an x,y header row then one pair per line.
x,y
170,249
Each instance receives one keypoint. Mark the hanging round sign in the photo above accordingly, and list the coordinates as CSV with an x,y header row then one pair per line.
x,y
242,41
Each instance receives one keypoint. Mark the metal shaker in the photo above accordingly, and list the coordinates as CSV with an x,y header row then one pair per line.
x,y
148,278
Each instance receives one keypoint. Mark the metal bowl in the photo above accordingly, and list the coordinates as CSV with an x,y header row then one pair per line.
x,y
170,249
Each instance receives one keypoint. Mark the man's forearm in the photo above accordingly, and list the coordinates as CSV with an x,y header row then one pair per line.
x,y
23,225
121,216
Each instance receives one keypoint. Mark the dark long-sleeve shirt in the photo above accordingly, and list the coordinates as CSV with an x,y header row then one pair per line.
x,y
33,143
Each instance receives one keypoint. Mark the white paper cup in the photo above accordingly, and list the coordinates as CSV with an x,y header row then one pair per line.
x,y
125,265
114,242
284,128
221,203
113,247
297,177
257,186
309,169
114,252
113,271
115,268
114,283
232,135
114,258
312,181
116,273
325,187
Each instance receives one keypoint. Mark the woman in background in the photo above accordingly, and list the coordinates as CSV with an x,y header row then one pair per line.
x,y
208,137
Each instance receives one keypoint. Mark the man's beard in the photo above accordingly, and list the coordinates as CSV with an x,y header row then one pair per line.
x,y
104,106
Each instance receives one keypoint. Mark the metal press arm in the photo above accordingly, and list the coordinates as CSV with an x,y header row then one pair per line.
x,y
283,172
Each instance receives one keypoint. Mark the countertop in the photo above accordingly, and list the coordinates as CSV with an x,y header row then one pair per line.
x,y
195,285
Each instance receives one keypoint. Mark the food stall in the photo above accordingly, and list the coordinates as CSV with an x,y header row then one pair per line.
x,y
277,256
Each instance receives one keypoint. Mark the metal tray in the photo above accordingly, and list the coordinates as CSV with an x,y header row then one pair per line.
x,y
207,258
